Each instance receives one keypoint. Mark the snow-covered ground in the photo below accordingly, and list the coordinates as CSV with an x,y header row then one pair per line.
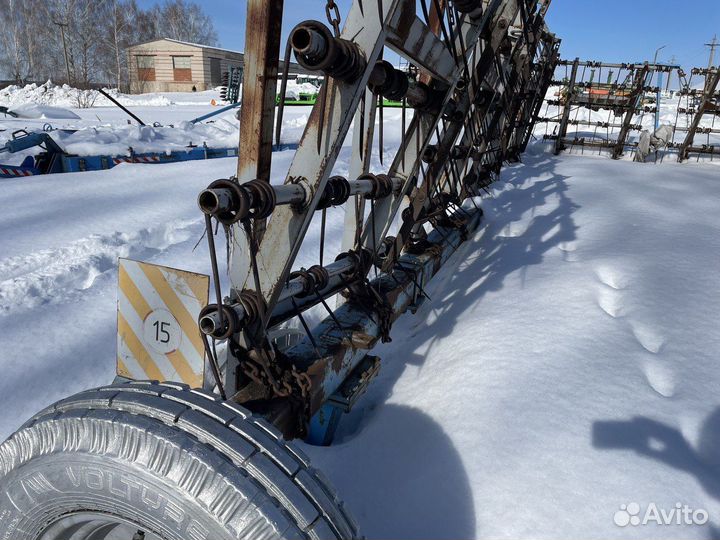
x,y
104,129
565,366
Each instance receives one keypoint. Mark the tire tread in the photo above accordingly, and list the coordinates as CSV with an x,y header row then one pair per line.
x,y
279,468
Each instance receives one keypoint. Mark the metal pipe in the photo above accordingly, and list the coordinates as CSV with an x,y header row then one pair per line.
x,y
285,309
590,63
296,286
215,113
360,187
211,323
290,194
335,270
292,288
215,201
308,42
116,102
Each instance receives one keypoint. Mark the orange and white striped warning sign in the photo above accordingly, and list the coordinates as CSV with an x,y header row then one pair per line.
x,y
158,335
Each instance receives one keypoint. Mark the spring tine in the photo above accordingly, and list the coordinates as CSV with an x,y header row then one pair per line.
x,y
382,123
321,123
450,44
283,88
426,15
362,126
403,129
214,366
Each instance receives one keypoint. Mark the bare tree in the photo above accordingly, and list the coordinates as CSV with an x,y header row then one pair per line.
x,y
85,41
185,21
12,55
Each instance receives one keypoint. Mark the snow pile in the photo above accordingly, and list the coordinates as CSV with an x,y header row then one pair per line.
x,y
67,96
110,140
46,112
294,89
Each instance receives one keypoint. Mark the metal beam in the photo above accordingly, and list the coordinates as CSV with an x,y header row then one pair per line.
x,y
286,229
635,102
562,131
710,88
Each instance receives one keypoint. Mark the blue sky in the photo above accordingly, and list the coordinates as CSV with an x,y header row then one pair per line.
x,y
608,30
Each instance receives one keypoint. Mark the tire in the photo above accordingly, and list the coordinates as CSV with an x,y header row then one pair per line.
x,y
164,460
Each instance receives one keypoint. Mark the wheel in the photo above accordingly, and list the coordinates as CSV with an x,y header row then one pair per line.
x,y
151,461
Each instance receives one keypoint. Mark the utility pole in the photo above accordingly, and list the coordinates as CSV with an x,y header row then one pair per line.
x,y
658,98
62,33
714,44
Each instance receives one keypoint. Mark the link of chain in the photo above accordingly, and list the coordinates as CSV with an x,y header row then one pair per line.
x,y
260,370
333,16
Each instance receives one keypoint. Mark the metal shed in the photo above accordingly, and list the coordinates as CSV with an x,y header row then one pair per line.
x,y
169,65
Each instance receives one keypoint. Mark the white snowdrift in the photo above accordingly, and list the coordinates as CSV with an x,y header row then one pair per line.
x,y
67,96
33,110
565,366
294,89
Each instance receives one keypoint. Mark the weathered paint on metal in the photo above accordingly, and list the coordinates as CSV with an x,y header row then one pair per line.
x,y
263,29
288,226
343,348
708,95
489,111
158,336
422,127
416,42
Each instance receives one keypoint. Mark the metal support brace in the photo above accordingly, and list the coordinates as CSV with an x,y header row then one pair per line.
x,y
562,130
708,95
635,103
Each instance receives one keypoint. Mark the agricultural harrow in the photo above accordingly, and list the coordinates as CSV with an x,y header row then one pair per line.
x,y
601,106
206,456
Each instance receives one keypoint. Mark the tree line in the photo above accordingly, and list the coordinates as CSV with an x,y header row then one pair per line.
x,y
84,42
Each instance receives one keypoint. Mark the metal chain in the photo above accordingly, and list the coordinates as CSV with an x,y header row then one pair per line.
x,y
261,368
333,16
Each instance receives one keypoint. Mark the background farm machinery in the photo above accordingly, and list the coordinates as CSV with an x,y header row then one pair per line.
x,y
213,462
625,94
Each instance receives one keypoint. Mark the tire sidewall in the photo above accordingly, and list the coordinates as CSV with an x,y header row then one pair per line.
x,y
47,488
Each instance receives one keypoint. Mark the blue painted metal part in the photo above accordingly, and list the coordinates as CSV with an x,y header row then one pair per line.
x,y
342,348
15,171
323,425
22,140
57,161
214,113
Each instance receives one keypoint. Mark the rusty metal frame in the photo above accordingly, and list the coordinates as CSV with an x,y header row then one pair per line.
x,y
486,69
562,131
635,101
708,96
641,73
